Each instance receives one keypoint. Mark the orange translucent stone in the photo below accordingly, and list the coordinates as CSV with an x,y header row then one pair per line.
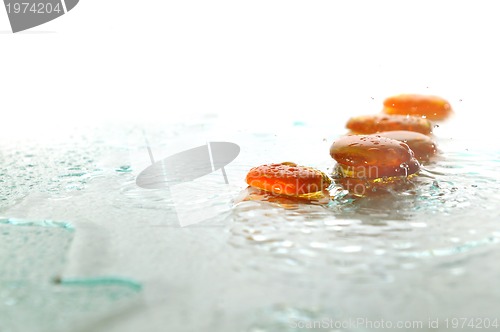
x,y
287,202
372,157
370,124
288,179
422,146
432,107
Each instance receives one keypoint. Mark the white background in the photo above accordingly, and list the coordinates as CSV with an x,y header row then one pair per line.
x,y
264,61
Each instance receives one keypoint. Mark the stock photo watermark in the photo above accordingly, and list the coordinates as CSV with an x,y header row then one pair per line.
x,y
462,323
360,180
170,173
290,183
26,14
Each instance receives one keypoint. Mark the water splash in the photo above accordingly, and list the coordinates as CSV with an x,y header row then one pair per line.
x,y
32,258
432,218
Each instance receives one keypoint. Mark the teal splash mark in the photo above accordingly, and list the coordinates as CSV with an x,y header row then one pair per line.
x,y
34,296
91,282
42,223
124,169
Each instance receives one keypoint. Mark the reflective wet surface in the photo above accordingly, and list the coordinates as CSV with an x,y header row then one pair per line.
x,y
193,256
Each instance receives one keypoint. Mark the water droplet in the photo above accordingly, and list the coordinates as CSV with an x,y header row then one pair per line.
x,y
318,245
350,249
124,169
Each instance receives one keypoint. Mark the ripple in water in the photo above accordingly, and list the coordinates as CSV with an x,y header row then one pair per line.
x,y
450,211
57,171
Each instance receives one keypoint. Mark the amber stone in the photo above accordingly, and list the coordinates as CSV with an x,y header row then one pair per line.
x,y
431,107
371,157
370,124
422,145
288,179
